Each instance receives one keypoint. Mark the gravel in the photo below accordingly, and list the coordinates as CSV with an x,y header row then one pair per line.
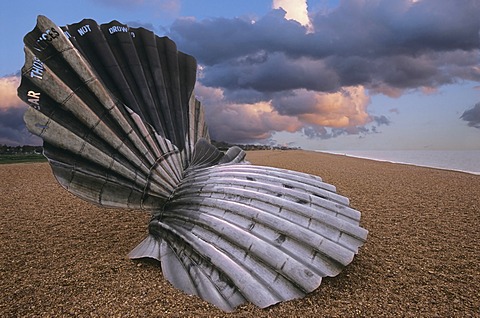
x,y
61,256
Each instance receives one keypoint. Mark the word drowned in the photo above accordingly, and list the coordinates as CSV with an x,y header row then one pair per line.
x,y
118,28
37,68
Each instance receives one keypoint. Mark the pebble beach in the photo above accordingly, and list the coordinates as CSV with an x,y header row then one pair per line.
x,y
64,257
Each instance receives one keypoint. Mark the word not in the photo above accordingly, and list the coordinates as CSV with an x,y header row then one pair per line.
x,y
34,99
84,29
37,68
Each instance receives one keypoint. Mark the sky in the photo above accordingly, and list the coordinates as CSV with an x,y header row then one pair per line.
x,y
320,75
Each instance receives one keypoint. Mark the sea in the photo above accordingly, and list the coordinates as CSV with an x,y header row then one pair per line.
x,y
457,160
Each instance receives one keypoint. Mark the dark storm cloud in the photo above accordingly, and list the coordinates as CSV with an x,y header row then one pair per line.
x,y
294,105
12,118
472,116
12,128
381,120
397,43
213,41
390,27
276,73
275,76
383,46
314,132
242,122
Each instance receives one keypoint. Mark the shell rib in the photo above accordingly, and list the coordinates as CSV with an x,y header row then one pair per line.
x,y
122,128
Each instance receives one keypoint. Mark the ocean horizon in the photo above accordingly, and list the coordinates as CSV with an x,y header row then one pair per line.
x,y
456,160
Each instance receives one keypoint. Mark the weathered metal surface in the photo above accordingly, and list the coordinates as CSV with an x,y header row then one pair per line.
x,y
122,128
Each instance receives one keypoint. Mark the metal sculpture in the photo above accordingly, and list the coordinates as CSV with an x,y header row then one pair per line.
x,y
122,128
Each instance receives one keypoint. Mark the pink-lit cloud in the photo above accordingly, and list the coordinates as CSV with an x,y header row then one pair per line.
x,y
244,122
345,108
8,93
323,79
12,127
295,10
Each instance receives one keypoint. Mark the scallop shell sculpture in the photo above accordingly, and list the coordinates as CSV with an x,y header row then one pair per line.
x,y
121,127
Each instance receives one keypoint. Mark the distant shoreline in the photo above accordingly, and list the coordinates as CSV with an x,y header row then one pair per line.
x,y
373,155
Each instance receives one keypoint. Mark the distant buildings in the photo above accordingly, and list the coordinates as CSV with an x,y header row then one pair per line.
x,y
16,150
224,146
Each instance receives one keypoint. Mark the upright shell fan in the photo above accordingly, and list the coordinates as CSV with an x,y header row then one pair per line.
x,y
122,128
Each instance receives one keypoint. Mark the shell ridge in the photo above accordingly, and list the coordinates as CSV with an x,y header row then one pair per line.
x,y
237,273
224,218
121,126
96,124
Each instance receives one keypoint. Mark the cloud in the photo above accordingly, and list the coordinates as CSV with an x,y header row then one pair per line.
x,y
345,108
8,92
240,122
381,120
271,72
321,132
138,24
392,44
301,111
313,72
216,40
472,116
12,127
323,78
294,10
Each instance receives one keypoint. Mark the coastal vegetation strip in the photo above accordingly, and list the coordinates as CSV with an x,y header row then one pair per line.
x,y
21,154
21,158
